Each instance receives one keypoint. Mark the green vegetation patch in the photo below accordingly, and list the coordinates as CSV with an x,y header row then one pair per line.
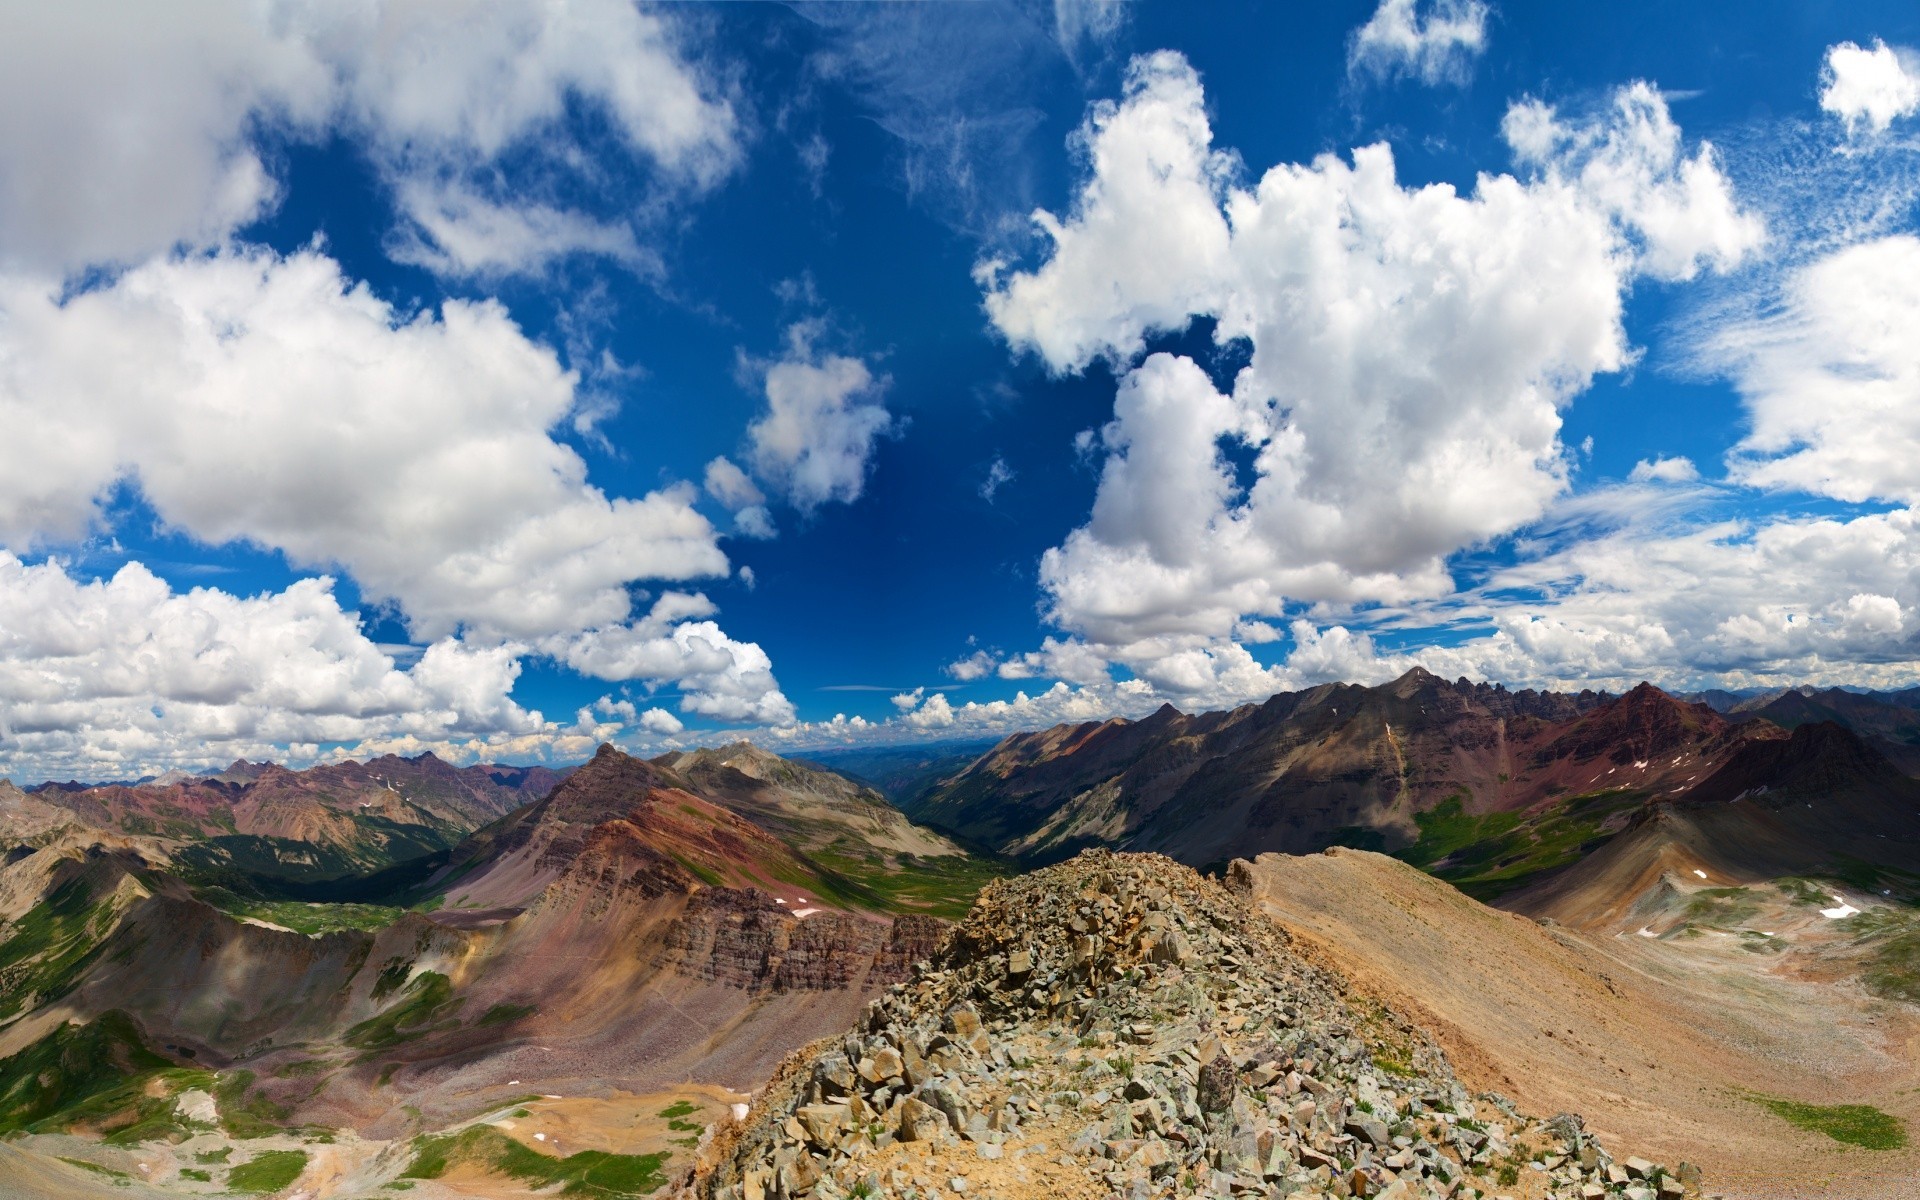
x,y
1852,1124
676,1115
1804,892
943,886
43,952
96,1075
196,1174
1892,970
1722,908
506,1014
1487,855
588,1173
304,916
268,1171
213,1156
427,1006
243,1115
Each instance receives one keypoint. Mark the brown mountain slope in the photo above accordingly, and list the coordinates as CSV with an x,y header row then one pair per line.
x,y
1657,1044
1819,803
329,820
654,940
1308,768
814,809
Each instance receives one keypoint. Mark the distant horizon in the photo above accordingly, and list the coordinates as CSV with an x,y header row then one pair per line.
x,y
881,739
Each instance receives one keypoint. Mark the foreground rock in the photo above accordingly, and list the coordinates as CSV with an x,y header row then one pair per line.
x,y
1120,1026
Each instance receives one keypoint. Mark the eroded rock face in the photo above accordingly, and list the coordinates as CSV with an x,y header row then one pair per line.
x,y
742,938
1118,1025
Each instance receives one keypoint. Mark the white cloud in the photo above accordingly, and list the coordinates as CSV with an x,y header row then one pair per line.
x,y
717,676
1832,379
457,232
1410,351
934,713
1678,469
1087,24
977,665
660,721
117,677
253,398
731,486
824,414
1067,659
1870,88
1146,244
999,474
908,701
1678,212
123,134
736,491
1437,45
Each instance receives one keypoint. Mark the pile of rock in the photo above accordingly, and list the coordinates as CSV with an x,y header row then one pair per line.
x,y
1120,1026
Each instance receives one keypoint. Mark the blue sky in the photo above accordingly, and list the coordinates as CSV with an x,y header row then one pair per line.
x,y
503,380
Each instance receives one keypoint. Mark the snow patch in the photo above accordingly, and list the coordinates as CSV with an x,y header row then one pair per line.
x,y
1699,872
805,912
1648,932
739,1112
1834,914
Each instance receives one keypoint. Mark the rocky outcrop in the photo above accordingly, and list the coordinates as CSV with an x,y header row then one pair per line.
x,y
1120,1021
741,938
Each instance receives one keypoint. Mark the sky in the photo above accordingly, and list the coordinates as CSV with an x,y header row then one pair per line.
x,y
499,379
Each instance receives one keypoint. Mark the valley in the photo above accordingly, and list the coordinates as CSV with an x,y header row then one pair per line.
x,y
1698,929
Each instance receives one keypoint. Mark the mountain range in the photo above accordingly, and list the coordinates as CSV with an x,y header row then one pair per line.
x,y
1489,787
403,972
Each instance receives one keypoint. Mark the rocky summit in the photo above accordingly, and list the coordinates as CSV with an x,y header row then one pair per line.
x,y
1121,1026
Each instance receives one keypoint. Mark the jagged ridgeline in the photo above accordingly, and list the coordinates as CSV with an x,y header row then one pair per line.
x,y
1119,1025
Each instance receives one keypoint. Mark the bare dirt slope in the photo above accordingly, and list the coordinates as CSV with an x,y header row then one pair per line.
x,y
1656,1042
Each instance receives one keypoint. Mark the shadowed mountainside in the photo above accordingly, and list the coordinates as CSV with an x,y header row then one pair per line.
x,y
1337,763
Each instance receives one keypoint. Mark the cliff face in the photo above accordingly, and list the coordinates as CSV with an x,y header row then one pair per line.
x,y
743,939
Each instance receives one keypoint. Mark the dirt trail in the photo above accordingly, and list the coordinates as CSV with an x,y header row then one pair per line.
x,y
1655,1042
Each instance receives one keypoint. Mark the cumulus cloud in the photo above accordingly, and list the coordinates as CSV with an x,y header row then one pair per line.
x,y
1831,380
977,665
267,400
122,138
824,414
108,678
737,493
1410,350
1870,87
1676,210
1677,469
717,676
660,721
1435,43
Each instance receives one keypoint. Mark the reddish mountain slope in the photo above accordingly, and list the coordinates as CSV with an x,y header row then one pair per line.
x,y
1308,768
327,820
